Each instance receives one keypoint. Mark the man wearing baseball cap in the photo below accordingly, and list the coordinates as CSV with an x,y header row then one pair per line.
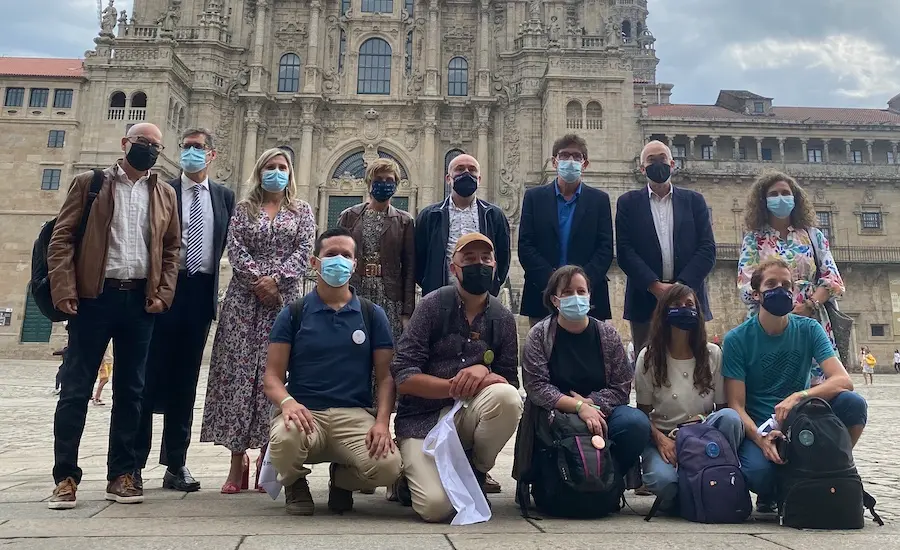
x,y
460,344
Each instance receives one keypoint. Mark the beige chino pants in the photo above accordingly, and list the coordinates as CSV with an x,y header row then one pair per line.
x,y
340,438
484,428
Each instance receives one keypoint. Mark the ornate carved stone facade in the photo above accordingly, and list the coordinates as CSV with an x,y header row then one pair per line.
x,y
342,82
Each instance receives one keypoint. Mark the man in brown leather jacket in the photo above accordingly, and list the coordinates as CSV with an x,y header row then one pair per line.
x,y
112,284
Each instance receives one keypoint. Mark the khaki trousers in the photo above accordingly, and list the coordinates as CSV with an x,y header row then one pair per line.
x,y
484,428
339,438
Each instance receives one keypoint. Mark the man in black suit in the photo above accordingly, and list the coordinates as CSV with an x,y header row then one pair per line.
x,y
565,222
180,334
663,235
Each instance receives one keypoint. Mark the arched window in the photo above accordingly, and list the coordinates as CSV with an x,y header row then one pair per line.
x,y
170,113
289,73
448,158
594,116
181,119
116,106
382,154
374,75
638,30
458,77
353,165
573,115
626,31
139,101
378,6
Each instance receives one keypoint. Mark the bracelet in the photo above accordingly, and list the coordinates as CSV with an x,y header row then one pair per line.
x,y
805,393
578,406
285,400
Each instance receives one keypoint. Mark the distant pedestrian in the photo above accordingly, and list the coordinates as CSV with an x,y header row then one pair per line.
x,y
869,368
104,374
897,360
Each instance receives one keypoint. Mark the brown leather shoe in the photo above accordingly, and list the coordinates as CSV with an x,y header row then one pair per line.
x,y
124,491
490,486
297,499
64,495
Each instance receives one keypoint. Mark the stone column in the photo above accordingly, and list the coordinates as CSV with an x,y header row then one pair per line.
x,y
483,83
825,152
715,147
429,175
759,141
869,144
803,144
894,145
303,167
251,127
311,78
737,148
691,140
781,148
259,44
431,38
847,143
482,122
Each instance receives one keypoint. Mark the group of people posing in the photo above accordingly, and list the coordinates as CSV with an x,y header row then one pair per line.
x,y
316,378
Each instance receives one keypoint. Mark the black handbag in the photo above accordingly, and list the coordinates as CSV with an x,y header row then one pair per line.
x,y
841,324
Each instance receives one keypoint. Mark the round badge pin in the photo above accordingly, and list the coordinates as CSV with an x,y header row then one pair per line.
x,y
806,438
598,442
712,449
488,357
359,337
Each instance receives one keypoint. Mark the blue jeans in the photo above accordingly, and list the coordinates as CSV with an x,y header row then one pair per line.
x,y
849,406
661,478
629,430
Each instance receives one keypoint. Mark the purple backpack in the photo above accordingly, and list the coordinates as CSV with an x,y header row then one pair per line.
x,y
711,487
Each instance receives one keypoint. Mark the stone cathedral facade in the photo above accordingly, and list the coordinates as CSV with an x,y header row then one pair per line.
x,y
337,83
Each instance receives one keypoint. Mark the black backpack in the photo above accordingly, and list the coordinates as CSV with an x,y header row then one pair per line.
x,y
569,477
818,486
39,285
296,309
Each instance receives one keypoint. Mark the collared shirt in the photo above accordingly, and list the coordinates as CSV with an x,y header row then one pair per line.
x,y
565,211
445,357
128,256
664,220
187,198
462,222
330,365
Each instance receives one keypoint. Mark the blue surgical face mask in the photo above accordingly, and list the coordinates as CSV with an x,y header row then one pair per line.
x,y
274,181
780,206
569,170
335,270
193,160
574,308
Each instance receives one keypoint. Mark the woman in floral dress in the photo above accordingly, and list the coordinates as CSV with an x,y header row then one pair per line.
x,y
269,243
781,223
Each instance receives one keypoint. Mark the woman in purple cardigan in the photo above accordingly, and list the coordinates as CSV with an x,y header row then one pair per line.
x,y
576,364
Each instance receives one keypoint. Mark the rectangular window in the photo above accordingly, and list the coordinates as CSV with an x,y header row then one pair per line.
x,y
856,157
50,179
62,99
742,153
408,6
706,152
679,152
814,155
766,153
759,107
879,331
14,97
871,220
378,6
823,221
890,157
39,97
57,139
345,6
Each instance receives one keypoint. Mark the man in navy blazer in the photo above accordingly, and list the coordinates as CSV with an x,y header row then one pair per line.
x,y
565,222
663,236
179,335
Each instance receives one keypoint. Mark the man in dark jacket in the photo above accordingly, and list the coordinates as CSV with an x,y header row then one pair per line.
x,y
565,222
440,225
663,236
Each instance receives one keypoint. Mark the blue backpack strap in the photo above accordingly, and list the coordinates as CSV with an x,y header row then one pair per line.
x,y
368,310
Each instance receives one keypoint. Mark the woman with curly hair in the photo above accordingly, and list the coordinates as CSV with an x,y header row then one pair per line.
x,y
781,223
678,380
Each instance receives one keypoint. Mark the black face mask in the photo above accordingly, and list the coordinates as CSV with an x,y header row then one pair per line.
x,y
477,279
465,184
141,156
685,318
778,301
659,172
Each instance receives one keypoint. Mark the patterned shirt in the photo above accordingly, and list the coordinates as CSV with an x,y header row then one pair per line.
x,y
452,352
462,222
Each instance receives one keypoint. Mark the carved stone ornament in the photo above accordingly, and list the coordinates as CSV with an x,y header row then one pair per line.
x,y
870,194
820,194
411,138
108,20
291,31
459,40
509,192
371,126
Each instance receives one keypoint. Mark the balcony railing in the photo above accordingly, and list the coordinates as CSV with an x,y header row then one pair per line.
x,y
752,168
116,113
137,113
842,254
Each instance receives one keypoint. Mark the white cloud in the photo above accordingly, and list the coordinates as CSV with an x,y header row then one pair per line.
x,y
863,69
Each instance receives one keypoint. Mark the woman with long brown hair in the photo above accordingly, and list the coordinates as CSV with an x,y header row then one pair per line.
x,y
781,223
678,380
269,242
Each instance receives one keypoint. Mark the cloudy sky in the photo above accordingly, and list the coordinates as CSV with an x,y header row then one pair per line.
x,y
801,52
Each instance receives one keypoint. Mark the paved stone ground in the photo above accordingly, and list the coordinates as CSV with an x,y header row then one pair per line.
x,y
252,521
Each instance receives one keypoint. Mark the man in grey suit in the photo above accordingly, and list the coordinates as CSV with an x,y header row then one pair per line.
x,y
180,334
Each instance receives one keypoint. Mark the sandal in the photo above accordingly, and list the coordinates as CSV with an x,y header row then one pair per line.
x,y
232,488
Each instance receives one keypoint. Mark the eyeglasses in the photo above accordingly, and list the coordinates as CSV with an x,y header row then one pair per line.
x,y
198,146
144,141
563,155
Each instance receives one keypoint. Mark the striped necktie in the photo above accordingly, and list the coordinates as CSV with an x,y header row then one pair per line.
x,y
194,258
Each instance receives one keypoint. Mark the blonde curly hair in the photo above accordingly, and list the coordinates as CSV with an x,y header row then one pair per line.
x,y
757,213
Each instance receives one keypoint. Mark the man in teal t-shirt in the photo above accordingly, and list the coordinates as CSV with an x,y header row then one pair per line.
x,y
767,363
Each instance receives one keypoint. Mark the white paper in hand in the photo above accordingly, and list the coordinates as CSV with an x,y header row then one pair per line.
x,y
268,477
442,443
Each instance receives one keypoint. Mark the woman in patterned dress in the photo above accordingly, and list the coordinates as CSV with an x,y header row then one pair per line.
x,y
781,223
269,243
384,240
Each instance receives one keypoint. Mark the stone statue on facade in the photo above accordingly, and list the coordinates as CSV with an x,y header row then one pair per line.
x,y
534,9
108,20
169,20
554,32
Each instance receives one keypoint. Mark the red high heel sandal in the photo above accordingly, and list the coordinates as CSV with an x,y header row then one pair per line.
x,y
230,488
259,463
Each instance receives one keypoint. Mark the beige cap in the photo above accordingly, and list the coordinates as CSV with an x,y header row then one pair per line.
x,y
470,238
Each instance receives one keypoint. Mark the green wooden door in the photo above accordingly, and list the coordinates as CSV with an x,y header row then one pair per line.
x,y
336,205
35,327
402,203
